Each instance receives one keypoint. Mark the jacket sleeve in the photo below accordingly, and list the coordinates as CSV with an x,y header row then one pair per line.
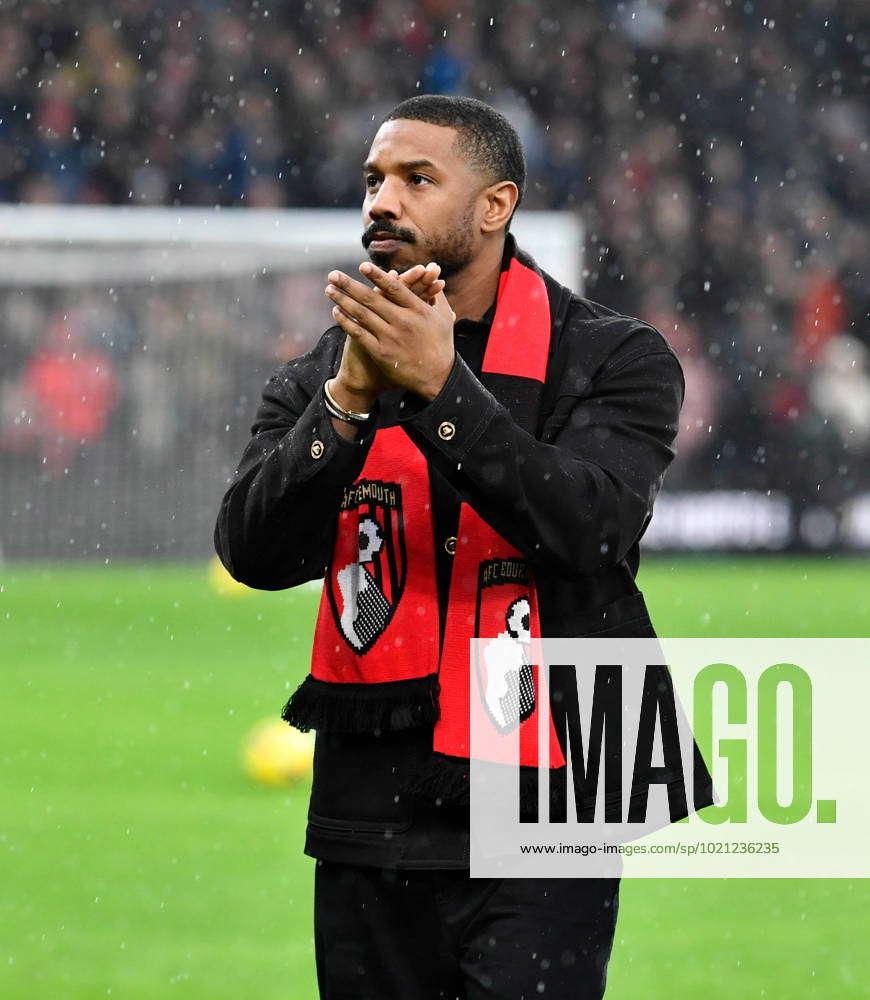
x,y
276,522
576,500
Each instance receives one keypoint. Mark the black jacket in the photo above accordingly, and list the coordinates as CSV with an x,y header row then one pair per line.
x,y
575,500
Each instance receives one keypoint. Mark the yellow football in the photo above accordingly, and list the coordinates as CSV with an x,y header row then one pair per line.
x,y
274,753
223,583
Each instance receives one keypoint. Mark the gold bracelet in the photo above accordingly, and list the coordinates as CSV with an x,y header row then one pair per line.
x,y
339,412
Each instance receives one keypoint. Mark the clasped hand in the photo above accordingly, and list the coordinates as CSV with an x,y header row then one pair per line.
x,y
408,338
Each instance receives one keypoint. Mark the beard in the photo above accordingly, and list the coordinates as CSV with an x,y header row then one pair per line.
x,y
452,250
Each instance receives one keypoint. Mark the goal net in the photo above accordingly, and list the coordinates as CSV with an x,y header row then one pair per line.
x,y
134,346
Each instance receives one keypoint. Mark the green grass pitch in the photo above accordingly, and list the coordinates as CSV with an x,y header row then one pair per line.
x,y
139,862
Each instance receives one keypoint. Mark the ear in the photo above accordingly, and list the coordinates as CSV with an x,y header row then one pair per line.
x,y
500,200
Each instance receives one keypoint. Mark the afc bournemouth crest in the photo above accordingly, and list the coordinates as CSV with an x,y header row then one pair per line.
x,y
504,673
367,573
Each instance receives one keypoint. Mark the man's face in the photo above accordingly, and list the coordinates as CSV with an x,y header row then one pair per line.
x,y
420,199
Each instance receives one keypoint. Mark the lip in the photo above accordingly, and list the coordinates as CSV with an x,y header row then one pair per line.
x,y
386,245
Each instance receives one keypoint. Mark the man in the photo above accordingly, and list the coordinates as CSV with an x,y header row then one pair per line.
x,y
475,450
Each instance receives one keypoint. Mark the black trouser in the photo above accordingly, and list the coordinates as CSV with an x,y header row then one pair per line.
x,y
417,935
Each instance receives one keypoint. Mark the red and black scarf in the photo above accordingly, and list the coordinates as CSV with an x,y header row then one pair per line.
x,y
377,663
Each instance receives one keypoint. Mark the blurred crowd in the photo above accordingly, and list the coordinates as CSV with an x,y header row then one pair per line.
x,y
717,151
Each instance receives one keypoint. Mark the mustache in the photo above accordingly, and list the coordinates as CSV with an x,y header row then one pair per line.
x,y
387,228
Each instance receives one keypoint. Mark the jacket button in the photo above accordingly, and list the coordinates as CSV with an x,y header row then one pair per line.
x,y
450,544
316,448
446,430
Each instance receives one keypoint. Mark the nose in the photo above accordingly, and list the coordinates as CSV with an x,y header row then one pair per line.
x,y
385,202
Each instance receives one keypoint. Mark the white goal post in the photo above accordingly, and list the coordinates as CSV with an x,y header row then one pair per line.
x,y
176,244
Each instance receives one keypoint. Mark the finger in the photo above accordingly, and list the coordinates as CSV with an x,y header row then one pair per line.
x,y
433,272
434,289
365,339
409,277
423,276
392,287
430,276
418,279
420,273
413,279
361,314
422,288
360,293
443,305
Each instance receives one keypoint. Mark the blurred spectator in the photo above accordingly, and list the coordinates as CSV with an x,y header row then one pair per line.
x,y
719,154
71,389
841,389
700,410
820,315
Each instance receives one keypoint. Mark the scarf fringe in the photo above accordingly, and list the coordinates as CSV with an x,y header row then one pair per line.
x,y
442,778
363,708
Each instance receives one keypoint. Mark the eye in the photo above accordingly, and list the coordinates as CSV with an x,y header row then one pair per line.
x,y
371,180
415,178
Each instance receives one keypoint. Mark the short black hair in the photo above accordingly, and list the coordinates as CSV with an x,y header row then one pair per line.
x,y
484,136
